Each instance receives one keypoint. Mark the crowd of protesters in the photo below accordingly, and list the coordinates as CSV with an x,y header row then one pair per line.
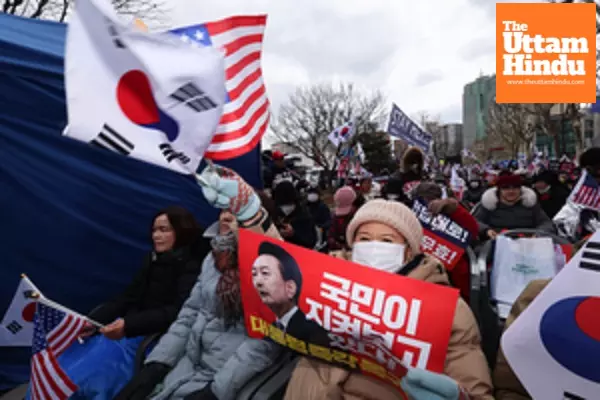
x,y
188,291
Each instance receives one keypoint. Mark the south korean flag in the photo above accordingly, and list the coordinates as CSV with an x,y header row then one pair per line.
x,y
554,345
144,95
342,134
16,328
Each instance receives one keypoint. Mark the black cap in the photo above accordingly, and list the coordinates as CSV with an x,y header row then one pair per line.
x,y
546,176
590,158
290,270
285,193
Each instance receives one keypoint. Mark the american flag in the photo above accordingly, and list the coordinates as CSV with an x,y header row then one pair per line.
x,y
586,192
53,333
246,112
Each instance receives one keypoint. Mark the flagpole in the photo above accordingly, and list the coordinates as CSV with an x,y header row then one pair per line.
x,y
38,297
50,303
28,281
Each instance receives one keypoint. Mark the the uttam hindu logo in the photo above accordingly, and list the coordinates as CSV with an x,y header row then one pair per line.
x,y
545,53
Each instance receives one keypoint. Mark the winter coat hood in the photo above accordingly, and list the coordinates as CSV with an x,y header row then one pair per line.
x,y
490,199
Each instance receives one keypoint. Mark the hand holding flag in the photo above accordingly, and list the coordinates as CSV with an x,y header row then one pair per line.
x,y
225,189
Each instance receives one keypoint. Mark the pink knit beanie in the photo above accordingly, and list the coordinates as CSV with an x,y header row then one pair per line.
x,y
393,214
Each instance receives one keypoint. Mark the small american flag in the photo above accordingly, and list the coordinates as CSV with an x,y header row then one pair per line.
x,y
246,112
53,333
586,192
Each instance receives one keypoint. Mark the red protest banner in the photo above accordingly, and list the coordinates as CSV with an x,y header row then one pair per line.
x,y
443,238
444,250
368,320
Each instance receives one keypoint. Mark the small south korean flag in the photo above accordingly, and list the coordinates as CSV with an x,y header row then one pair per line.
x,y
342,133
17,325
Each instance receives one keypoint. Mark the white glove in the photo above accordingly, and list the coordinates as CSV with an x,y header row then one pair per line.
x,y
225,189
567,219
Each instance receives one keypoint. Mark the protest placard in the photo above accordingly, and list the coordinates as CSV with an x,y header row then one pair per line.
x,y
442,238
554,345
402,127
376,323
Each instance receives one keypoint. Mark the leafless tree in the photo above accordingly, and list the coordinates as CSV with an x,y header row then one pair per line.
x,y
432,124
150,11
313,112
513,125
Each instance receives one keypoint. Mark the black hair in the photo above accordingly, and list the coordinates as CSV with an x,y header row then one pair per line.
x,y
590,158
186,228
290,270
285,193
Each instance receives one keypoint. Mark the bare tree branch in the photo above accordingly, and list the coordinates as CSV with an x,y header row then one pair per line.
x,y
432,124
39,9
63,13
150,11
513,125
313,112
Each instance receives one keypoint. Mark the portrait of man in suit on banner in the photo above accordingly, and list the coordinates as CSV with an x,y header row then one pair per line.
x,y
277,278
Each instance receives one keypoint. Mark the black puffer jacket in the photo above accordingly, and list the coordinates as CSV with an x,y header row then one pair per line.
x,y
526,214
473,196
152,300
553,200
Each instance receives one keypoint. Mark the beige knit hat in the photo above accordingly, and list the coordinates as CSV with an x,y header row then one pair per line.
x,y
393,214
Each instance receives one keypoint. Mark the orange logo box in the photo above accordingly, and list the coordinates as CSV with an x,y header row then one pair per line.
x,y
545,53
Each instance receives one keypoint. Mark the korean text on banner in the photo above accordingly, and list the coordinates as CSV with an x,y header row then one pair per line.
x,y
330,309
554,345
402,127
442,238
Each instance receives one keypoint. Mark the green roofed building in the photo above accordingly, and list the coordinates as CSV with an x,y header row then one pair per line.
x,y
477,96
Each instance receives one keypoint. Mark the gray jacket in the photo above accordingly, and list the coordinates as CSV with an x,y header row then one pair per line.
x,y
202,351
526,214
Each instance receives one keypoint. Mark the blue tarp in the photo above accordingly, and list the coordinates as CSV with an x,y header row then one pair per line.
x,y
74,218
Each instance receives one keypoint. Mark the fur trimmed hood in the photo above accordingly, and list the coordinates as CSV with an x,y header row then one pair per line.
x,y
489,200
413,160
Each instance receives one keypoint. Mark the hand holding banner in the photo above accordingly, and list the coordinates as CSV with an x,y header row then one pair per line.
x,y
442,237
330,309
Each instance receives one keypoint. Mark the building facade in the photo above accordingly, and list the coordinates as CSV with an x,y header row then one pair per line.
x,y
448,142
477,96
565,142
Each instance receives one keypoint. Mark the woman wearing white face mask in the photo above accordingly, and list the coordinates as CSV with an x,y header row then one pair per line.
x,y
386,235
318,210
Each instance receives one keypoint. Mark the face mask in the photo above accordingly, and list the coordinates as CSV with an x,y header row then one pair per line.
x,y
392,197
545,190
379,255
312,197
288,209
474,185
